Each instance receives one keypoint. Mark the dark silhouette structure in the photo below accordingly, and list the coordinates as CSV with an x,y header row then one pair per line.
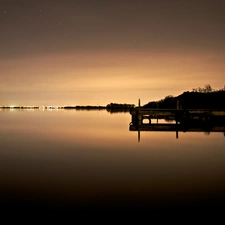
x,y
191,100
115,107
191,119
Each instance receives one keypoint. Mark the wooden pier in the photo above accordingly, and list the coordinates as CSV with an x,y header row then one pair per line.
x,y
139,114
184,120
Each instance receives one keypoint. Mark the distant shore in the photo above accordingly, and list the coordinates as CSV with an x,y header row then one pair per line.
x,y
112,107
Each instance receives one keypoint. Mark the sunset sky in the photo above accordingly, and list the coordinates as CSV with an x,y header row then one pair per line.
x,y
94,52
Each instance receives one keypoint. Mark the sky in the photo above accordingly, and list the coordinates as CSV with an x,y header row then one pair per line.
x,y
94,52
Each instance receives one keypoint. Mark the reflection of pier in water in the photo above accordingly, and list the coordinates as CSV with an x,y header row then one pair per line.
x,y
188,126
188,120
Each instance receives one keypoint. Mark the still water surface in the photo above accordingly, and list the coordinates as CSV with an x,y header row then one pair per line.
x,y
87,158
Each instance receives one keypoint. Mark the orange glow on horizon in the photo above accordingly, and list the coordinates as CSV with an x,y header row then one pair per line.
x,y
103,77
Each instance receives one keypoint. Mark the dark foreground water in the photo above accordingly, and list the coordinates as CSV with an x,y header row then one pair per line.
x,y
75,160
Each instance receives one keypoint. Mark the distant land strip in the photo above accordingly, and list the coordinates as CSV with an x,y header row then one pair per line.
x,y
112,107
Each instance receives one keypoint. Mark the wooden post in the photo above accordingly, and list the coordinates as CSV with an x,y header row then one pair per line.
x,y
139,104
139,117
176,129
139,135
178,104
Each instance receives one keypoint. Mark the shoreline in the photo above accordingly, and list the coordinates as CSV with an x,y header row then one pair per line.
x,y
111,107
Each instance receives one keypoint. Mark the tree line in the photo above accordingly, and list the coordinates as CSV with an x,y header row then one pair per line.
x,y
207,89
200,98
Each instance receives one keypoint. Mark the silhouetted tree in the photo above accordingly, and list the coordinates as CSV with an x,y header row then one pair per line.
x,y
208,88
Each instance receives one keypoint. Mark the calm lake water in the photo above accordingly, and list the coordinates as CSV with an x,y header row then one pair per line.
x,y
69,158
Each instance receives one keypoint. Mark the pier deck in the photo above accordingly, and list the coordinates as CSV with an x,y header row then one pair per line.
x,y
139,114
185,120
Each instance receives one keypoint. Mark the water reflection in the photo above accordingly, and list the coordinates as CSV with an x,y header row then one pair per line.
x,y
68,158
164,124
